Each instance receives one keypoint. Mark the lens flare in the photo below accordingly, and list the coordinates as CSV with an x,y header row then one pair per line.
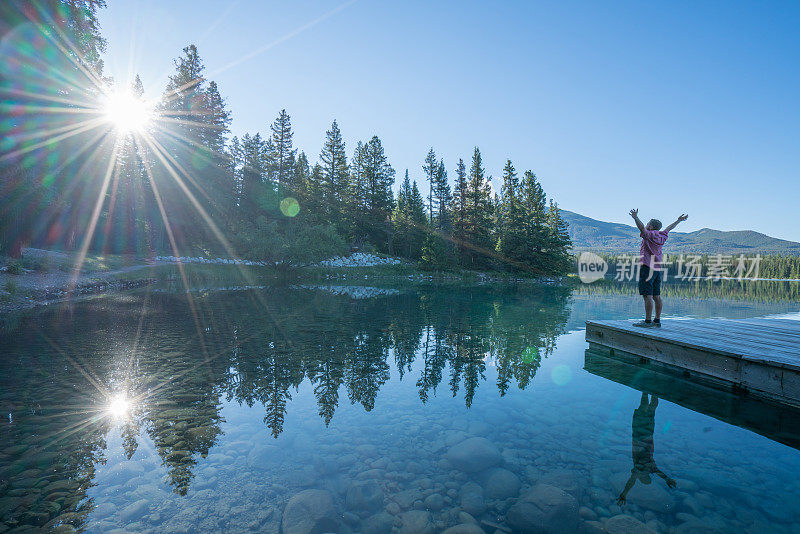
x,y
118,407
127,112
561,375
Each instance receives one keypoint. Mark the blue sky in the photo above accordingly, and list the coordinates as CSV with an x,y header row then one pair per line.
x,y
664,106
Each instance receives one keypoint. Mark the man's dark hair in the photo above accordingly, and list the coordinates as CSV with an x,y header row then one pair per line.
x,y
655,223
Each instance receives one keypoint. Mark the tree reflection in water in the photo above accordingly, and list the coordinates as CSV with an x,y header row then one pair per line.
x,y
253,347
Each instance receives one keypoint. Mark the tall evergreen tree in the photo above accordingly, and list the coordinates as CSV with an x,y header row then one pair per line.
x,y
235,164
510,222
184,92
534,212
252,177
184,104
281,153
444,198
410,220
335,175
478,231
358,201
379,177
217,119
559,243
459,210
430,168
402,227
301,182
419,222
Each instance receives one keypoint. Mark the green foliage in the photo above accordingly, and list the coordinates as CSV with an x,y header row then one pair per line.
x,y
335,175
477,223
430,169
437,253
315,243
441,190
372,201
511,243
10,286
269,241
14,267
280,154
409,221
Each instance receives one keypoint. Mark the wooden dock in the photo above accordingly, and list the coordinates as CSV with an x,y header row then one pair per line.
x,y
759,356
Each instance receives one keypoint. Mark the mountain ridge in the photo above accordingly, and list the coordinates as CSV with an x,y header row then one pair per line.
x,y
618,238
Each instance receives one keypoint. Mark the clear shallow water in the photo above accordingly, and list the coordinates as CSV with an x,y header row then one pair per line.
x,y
141,412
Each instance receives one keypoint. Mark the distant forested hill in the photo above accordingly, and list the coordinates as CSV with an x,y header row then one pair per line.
x,y
600,236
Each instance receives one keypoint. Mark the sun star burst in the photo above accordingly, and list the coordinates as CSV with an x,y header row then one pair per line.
x,y
127,112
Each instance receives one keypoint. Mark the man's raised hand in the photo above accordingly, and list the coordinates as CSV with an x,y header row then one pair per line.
x,y
683,217
635,213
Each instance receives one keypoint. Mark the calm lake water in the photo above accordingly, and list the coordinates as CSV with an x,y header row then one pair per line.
x,y
355,409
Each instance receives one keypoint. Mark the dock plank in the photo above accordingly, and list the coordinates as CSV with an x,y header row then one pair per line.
x,y
756,340
721,338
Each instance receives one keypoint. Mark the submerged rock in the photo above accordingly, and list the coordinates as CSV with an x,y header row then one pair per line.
x,y
377,524
134,510
434,502
625,524
499,483
472,500
652,497
310,512
364,496
544,509
474,454
416,522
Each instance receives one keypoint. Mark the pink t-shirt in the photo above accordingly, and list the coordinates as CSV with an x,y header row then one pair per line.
x,y
650,250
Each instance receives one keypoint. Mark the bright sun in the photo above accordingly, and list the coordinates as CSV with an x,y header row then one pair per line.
x,y
127,112
118,407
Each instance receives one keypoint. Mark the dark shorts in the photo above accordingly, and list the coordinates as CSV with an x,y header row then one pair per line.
x,y
649,281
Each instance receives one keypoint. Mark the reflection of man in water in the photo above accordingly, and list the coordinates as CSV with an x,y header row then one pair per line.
x,y
644,424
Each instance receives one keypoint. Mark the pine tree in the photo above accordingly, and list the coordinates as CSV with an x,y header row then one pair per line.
x,y
281,154
217,119
235,164
559,243
478,231
430,169
419,221
459,209
252,177
510,222
534,213
438,251
400,218
410,220
443,199
335,176
379,177
357,218
194,122
184,92
301,183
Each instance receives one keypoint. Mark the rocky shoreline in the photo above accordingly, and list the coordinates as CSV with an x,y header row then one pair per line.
x,y
53,295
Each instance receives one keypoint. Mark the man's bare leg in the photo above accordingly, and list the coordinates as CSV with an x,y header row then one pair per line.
x,y
659,304
648,307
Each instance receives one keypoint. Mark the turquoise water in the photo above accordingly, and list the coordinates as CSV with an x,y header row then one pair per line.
x,y
406,409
